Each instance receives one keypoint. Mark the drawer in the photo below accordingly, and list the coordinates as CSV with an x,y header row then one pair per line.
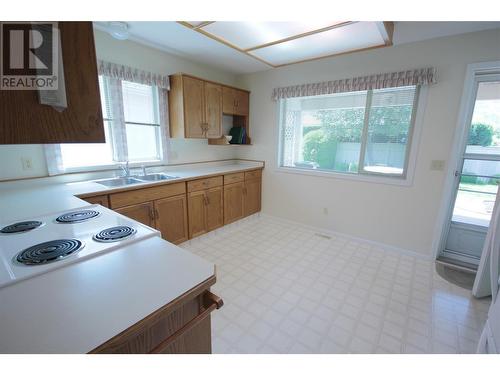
x,y
98,199
253,174
233,177
204,183
130,197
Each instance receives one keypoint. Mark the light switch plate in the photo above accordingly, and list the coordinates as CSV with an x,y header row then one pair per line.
x,y
437,165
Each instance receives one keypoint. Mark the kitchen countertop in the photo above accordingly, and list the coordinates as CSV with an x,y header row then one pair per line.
x,y
76,308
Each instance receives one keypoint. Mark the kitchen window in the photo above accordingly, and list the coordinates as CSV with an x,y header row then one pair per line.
x,y
353,133
134,114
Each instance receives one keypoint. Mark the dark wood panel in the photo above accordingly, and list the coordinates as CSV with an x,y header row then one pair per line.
x,y
24,120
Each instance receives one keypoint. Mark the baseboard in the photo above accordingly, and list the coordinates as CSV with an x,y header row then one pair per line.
x,y
323,231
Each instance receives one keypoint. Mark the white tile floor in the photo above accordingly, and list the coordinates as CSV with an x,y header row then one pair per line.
x,y
287,289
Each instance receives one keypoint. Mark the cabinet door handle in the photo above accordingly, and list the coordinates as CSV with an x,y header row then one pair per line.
x,y
151,214
157,214
245,190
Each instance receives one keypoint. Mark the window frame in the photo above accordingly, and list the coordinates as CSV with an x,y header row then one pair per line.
x,y
108,122
405,179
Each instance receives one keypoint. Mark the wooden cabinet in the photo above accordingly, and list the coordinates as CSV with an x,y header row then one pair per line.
x,y
180,327
25,120
98,199
235,101
252,196
195,107
142,212
197,213
171,218
206,211
233,202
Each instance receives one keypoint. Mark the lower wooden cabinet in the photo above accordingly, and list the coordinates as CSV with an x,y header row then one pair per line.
x,y
184,210
142,212
171,218
180,327
233,202
206,210
252,196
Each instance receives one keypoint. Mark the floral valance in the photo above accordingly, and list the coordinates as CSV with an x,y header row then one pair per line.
x,y
414,77
128,73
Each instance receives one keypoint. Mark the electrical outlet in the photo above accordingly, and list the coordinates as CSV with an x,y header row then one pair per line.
x,y
27,164
437,165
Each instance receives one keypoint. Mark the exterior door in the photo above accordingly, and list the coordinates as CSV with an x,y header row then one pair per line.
x,y
477,175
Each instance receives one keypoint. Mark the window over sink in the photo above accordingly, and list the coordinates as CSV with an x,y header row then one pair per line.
x,y
133,125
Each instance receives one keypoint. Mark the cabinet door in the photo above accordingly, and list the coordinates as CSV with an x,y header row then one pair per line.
x,y
215,208
233,202
252,196
98,199
171,218
213,109
143,213
242,102
228,100
24,120
197,213
193,107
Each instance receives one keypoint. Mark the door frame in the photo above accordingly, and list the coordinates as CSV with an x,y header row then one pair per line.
x,y
458,148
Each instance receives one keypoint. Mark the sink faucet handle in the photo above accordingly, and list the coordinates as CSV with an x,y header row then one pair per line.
x,y
143,170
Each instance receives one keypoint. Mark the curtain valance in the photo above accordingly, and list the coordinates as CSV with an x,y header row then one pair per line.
x,y
128,73
423,76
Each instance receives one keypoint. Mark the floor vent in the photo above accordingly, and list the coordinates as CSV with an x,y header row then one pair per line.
x,y
323,236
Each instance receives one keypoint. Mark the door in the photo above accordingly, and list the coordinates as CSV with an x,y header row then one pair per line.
x,y
242,99
197,213
143,213
477,175
215,208
228,100
252,197
193,107
213,109
171,218
233,202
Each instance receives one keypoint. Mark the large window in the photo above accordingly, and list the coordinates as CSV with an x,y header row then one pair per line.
x,y
362,132
131,124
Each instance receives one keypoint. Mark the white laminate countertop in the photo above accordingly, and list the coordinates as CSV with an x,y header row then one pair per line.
x,y
76,308
25,199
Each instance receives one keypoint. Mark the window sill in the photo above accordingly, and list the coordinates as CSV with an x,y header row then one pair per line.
x,y
385,180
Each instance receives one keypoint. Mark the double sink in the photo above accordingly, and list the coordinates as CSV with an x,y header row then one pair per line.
x,y
125,181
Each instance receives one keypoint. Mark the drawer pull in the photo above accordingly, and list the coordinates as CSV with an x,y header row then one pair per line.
x,y
211,302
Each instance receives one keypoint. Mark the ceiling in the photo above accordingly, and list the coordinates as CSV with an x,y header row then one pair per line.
x,y
247,47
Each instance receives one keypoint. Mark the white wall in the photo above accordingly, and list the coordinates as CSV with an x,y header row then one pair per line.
x,y
396,215
143,57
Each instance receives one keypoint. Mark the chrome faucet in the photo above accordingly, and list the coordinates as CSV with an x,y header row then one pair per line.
x,y
144,173
126,169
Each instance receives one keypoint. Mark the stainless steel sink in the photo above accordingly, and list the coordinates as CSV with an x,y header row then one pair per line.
x,y
156,177
119,181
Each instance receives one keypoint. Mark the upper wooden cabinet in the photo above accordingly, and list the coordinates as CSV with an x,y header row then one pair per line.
x,y
195,107
24,120
235,102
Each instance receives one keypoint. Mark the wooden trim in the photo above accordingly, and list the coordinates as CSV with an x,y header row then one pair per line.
x,y
211,302
386,30
203,24
225,42
333,55
158,314
298,36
